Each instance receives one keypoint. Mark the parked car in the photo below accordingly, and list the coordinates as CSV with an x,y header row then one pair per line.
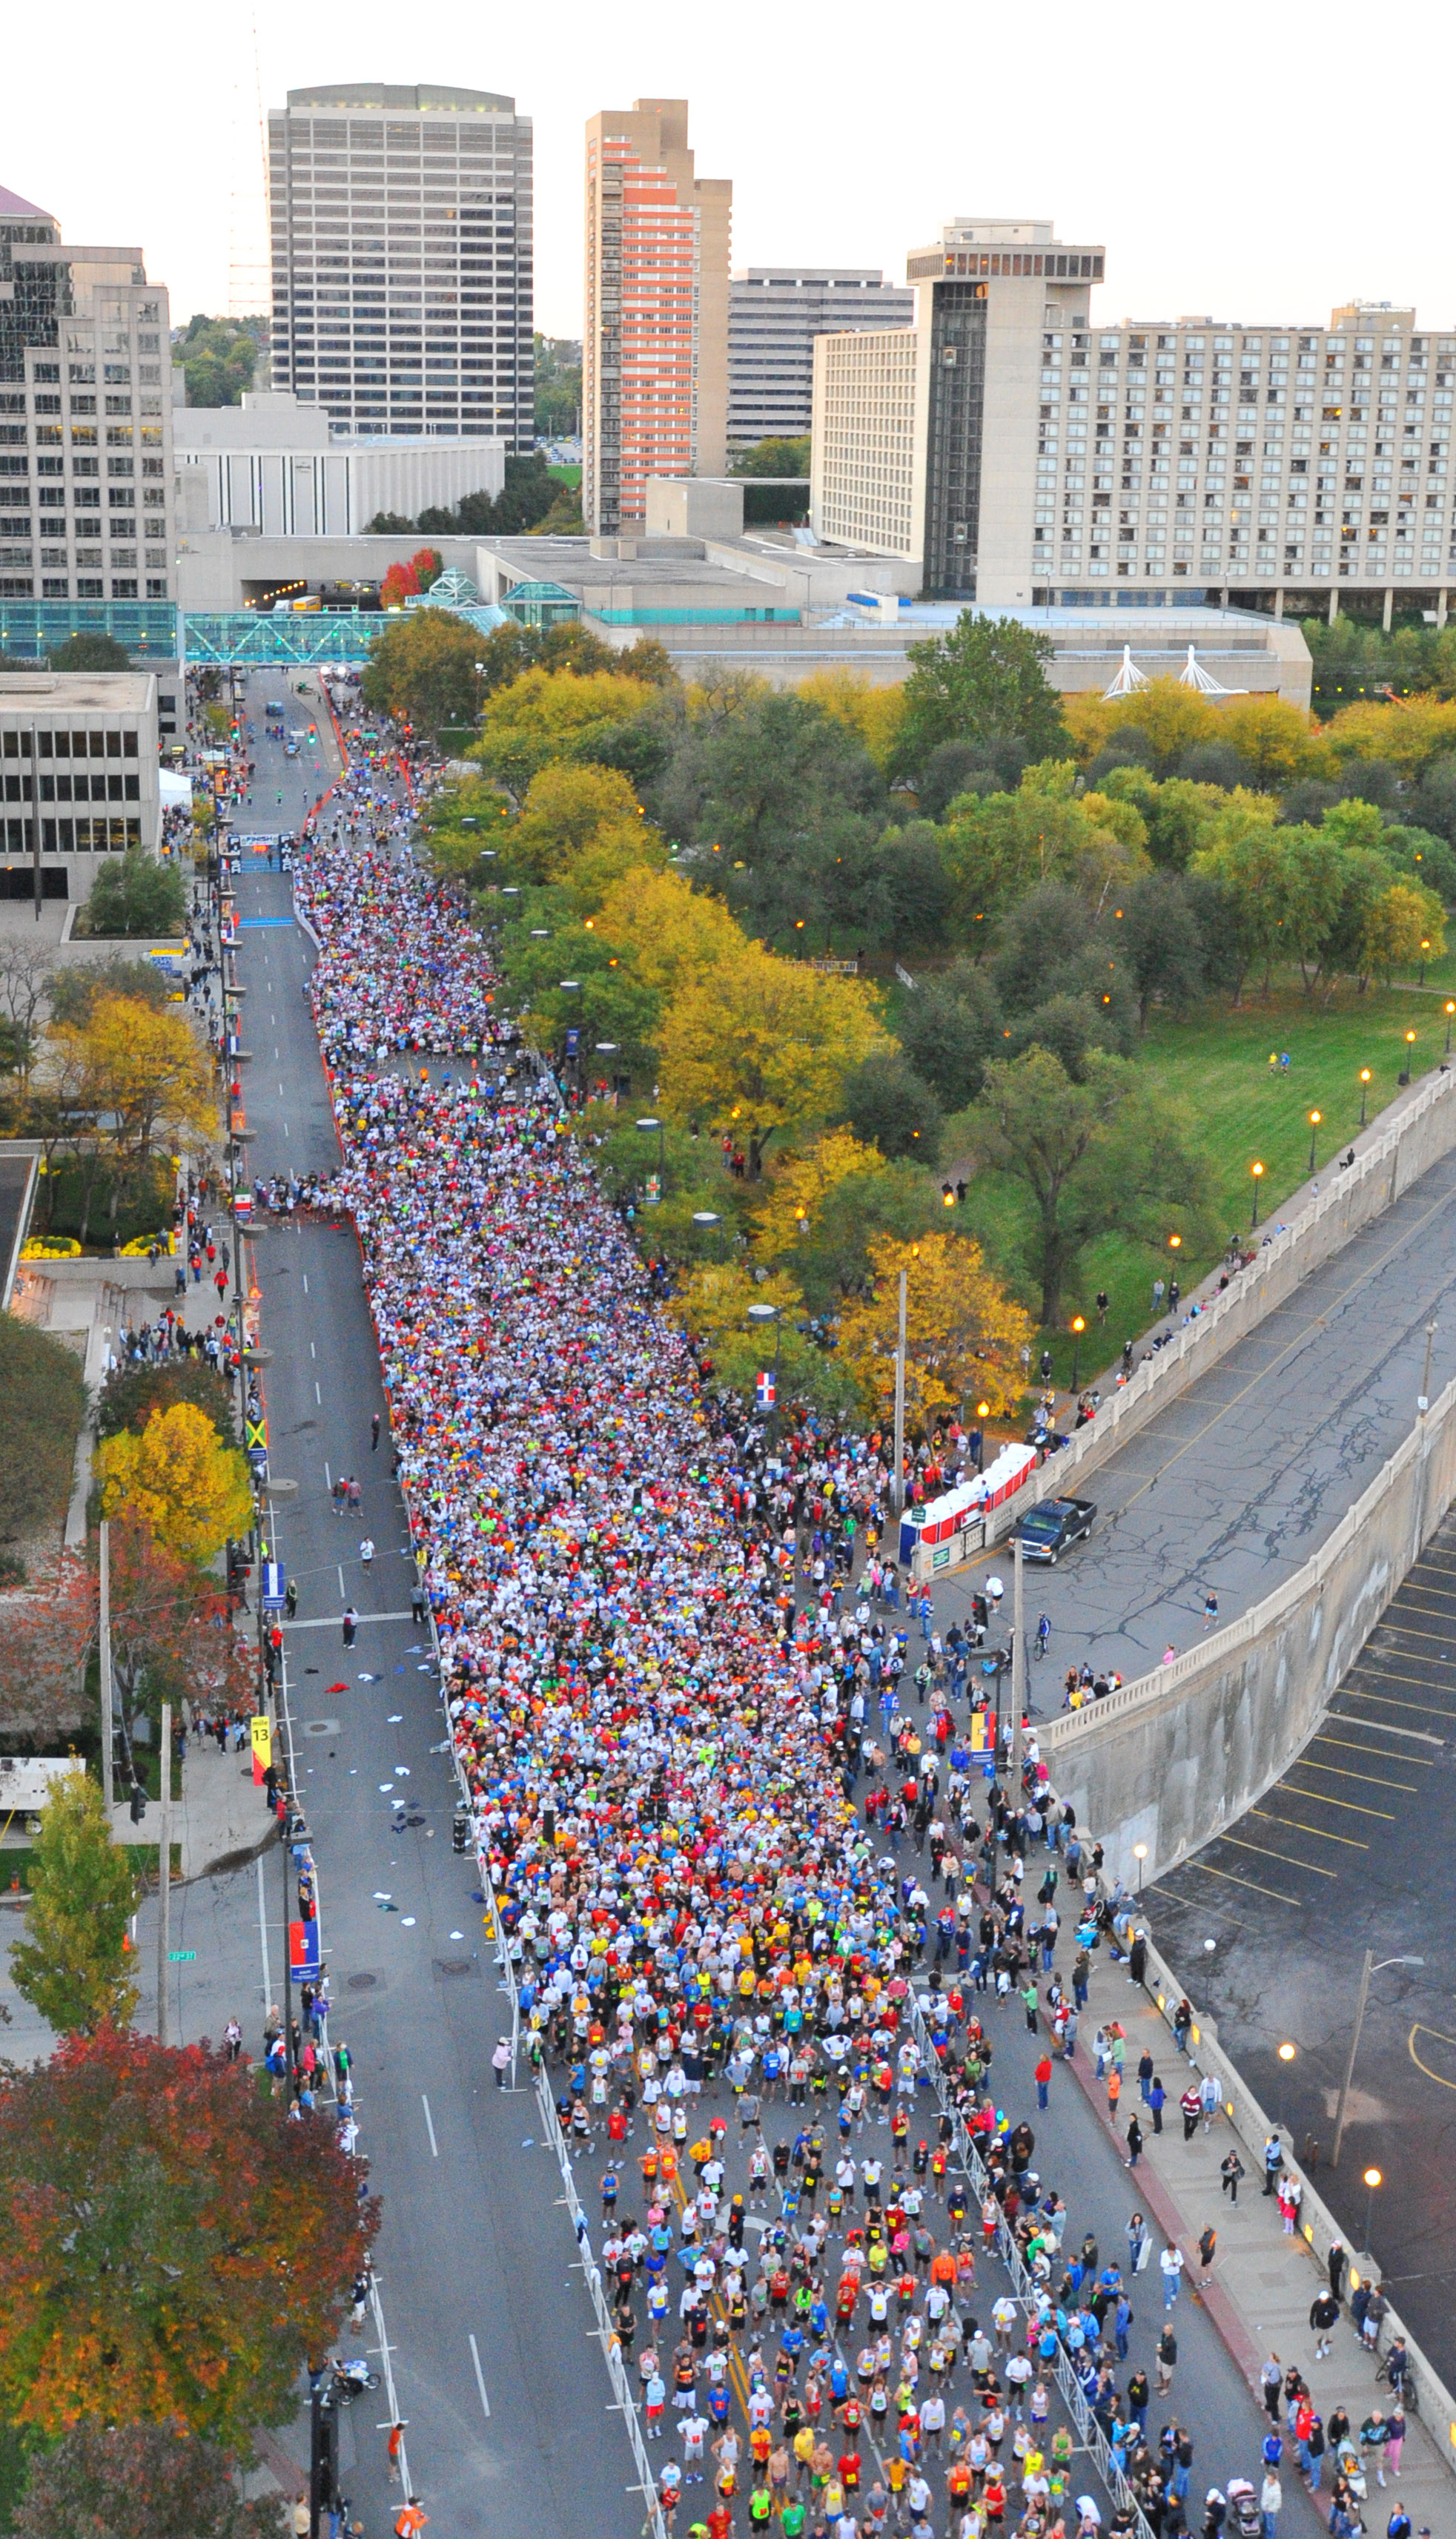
x,y
1048,1531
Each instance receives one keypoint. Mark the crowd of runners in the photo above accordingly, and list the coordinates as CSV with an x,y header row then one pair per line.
x,y
695,1759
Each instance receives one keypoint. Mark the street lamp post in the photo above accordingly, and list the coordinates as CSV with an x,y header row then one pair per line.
x,y
1422,1399
1314,1121
647,1126
983,1413
897,1487
1079,1326
1140,1854
1373,2180
1410,1049
1365,1074
1258,1172
1285,2056
1451,1015
1424,948
1367,1970
706,1219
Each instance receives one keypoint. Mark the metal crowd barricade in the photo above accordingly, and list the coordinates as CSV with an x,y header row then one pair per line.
x,y
1090,2432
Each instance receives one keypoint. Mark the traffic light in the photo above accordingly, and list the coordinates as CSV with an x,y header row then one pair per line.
x,y
137,1803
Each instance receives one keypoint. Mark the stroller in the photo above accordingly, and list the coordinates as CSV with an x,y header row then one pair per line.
x,y
1244,2516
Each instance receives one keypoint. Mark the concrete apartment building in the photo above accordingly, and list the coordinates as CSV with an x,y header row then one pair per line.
x,y
85,469
1025,455
79,771
401,249
774,313
654,384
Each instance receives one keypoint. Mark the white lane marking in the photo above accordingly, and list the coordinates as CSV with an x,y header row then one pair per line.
x,y
429,2129
305,1282
480,2377
312,1352
317,1395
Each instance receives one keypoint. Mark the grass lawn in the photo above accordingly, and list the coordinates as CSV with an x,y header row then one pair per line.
x,y
1216,1064
565,475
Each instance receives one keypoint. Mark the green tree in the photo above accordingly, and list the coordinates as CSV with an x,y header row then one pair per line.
x,y
999,848
1159,935
1097,1158
780,455
889,1106
422,670
527,495
42,1402
220,356
950,1028
73,1965
139,2482
91,652
140,895
983,683
133,1393
558,387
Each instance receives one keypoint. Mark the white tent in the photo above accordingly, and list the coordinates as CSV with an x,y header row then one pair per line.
x,y
175,791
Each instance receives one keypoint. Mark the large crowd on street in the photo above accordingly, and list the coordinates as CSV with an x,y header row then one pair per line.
x,y
734,1833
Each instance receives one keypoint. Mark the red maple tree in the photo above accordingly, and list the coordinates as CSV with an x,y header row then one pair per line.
x,y
175,2248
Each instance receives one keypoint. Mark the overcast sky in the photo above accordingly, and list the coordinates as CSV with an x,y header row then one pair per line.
x,y
1261,165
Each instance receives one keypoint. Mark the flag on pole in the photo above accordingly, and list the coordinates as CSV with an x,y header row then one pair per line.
x,y
262,1736
304,1948
763,1390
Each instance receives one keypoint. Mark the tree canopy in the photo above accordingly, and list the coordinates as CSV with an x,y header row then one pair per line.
x,y
187,1487
139,2482
984,684
174,2248
140,895
73,1965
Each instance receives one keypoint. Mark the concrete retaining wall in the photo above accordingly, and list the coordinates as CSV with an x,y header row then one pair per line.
x,y
1423,1130
1173,1757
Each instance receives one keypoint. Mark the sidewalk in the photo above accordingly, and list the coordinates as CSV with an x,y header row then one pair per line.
x,y
1263,2282
220,1820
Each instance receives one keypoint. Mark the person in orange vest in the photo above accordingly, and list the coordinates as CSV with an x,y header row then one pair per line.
x,y
411,2521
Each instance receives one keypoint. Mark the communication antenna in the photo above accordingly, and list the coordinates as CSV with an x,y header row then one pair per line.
x,y
249,277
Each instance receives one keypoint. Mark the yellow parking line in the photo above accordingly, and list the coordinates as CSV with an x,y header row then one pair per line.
x,y
1251,1883
1323,1799
1312,1763
1427,1763
1409,1631
1286,1856
1318,1831
1423,1709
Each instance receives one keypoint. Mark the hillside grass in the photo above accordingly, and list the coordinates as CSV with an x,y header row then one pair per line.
x,y
1215,1062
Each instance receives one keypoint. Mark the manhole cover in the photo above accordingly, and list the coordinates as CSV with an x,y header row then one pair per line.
x,y
361,1983
449,1968
322,1727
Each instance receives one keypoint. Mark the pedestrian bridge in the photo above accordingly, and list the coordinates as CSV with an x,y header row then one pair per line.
x,y
248,640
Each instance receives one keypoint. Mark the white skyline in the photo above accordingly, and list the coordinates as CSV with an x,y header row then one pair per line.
x,y
1264,172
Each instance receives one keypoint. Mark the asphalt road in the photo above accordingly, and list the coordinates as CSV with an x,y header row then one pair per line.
x,y
1353,1850
506,2396
1236,1485
475,2242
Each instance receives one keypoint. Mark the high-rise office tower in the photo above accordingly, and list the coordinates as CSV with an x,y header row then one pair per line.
x,y
654,387
774,313
400,227
85,467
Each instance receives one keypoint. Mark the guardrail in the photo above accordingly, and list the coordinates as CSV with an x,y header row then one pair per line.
x,y
1372,1183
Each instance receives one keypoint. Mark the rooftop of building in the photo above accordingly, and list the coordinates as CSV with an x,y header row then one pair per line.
x,y
53,692
14,207
815,277
349,96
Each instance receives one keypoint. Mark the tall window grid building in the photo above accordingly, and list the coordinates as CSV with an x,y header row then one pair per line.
x,y
402,260
85,467
655,390
1057,461
774,313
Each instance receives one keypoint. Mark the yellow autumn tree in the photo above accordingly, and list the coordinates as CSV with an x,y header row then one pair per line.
x,y
1408,730
566,805
963,1333
760,1043
552,714
1173,717
1278,740
713,1300
667,934
872,714
186,1485
798,1192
